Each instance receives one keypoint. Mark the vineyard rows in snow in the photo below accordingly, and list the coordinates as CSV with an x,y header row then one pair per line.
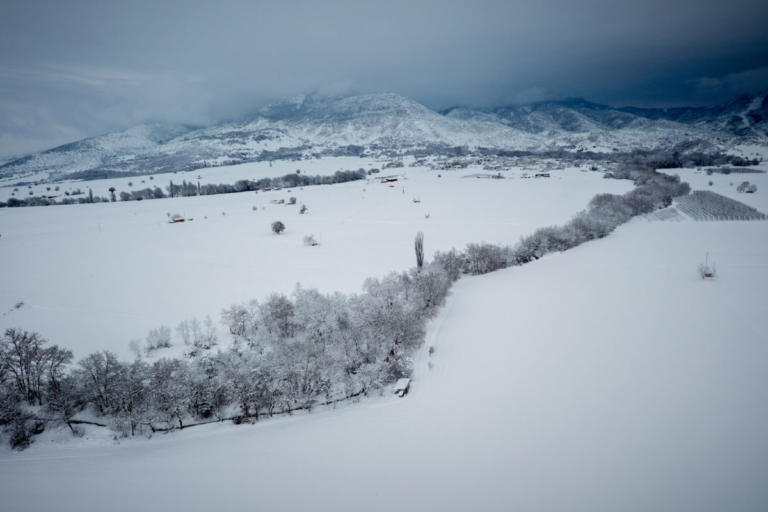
x,y
703,205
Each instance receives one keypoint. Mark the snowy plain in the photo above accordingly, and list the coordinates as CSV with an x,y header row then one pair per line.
x,y
608,377
96,276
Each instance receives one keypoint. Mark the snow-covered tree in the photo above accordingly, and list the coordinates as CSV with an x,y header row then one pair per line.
x,y
158,338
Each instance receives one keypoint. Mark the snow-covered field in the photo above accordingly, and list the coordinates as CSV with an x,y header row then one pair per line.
x,y
609,377
95,276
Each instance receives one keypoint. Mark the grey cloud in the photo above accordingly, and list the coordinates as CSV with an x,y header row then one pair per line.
x,y
83,67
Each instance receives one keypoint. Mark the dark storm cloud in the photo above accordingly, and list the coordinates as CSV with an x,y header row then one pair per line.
x,y
74,68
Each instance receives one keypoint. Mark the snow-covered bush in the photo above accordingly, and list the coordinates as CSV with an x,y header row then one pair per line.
x,y
452,262
157,339
309,240
484,258
196,335
278,227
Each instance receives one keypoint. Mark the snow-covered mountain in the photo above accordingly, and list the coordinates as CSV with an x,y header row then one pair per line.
x,y
311,125
746,115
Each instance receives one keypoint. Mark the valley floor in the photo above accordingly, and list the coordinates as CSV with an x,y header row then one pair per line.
x,y
609,377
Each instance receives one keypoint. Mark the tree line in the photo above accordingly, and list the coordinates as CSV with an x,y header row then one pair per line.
x,y
604,214
186,189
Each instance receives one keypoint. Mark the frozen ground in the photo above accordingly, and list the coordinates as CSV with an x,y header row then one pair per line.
x,y
609,377
95,276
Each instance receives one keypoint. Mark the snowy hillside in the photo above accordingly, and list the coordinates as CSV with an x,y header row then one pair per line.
x,y
109,151
381,123
746,115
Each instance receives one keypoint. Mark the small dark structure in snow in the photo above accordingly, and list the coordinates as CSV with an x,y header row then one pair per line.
x,y
176,218
747,187
402,386
541,175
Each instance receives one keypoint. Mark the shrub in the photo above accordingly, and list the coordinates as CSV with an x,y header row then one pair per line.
x,y
157,339
452,262
484,258
278,227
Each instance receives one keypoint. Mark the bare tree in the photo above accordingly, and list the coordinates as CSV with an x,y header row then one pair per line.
x,y
418,245
30,365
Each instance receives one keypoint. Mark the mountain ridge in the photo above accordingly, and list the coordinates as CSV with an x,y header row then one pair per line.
x,y
312,125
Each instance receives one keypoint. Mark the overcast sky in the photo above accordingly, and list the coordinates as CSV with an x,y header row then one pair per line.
x,y
76,68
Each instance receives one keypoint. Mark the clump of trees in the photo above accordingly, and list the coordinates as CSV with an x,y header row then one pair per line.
x,y
32,377
278,227
157,339
287,353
